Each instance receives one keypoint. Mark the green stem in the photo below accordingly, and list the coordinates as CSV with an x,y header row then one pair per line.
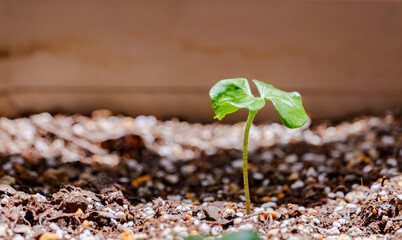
x,y
245,160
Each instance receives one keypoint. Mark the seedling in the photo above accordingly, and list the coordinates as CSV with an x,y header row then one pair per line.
x,y
230,95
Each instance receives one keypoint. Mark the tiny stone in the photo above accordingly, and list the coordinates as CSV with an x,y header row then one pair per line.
x,y
216,230
258,210
311,172
375,186
246,227
340,194
178,229
139,236
291,158
173,179
258,176
209,199
316,221
40,198
339,208
201,215
331,195
388,140
297,184
342,221
188,169
240,214
4,201
237,221
336,224
120,215
382,193
237,163
392,162
367,169
205,228
86,235
269,205
333,231
343,237
18,237
229,212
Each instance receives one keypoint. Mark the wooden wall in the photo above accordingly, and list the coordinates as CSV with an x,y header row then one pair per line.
x,y
161,57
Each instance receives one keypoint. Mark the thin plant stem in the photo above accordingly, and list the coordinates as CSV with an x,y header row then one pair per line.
x,y
245,160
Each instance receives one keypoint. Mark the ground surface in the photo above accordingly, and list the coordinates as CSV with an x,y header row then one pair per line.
x,y
101,177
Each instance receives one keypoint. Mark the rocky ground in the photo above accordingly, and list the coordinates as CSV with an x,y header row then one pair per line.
x,y
117,177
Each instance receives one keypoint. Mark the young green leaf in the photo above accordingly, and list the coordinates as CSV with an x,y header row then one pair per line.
x,y
230,95
288,104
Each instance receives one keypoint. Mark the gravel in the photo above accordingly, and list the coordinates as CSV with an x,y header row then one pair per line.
x,y
107,177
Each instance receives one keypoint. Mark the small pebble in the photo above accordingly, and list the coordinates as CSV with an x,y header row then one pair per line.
x,y
331,195
392,162
297,184
246,227
340,194
333,231
355,197
40,198
205,229
18,237
237,221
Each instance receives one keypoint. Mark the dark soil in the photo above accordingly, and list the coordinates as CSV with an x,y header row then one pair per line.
x,y
102,177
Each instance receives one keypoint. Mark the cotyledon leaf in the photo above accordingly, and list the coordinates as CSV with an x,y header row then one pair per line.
x,y
288,104
230,95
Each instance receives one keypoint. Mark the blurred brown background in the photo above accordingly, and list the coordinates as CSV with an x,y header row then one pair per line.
x,y
161,57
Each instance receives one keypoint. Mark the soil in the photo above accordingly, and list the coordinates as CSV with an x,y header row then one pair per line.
x,y
118,177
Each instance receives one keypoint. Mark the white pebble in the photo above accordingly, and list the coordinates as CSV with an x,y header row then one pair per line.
x,y
86,235
237,163
331,195
179,229
216,230
291,158
388,140
4,201
269,205
297,184
188,169
340,194
18,237
258,176
342,221
333,231
201,215
336,224
311,172
173,179
140,236
392,162
237,221
246,227
240,214
205,228
229,212
375,186
258,210
120,215
40,198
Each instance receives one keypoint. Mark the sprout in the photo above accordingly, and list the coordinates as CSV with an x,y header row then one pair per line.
x,y
230,95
